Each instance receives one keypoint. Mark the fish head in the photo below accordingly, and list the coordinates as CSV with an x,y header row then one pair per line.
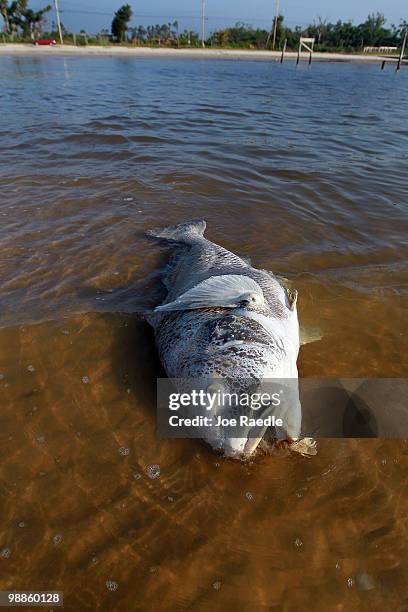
x,y
242,362
232,402
235,441
250,298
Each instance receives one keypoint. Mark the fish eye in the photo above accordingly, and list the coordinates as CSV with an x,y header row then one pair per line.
x,y
245,301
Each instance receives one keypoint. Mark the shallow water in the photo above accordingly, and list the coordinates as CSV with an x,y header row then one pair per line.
x,y
304,171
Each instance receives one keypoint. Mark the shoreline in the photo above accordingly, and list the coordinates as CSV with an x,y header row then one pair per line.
x,y
239,54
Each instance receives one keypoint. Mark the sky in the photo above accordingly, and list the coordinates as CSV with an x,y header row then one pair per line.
x,y
93,15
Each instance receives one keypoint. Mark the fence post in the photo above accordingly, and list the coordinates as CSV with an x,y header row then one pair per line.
x,y
404,42
283,50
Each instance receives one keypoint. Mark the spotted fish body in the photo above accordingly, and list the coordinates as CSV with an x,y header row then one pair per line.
x,y
235,337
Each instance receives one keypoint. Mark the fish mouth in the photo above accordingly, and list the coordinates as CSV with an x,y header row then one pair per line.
x,y
244,445
235,448
251,445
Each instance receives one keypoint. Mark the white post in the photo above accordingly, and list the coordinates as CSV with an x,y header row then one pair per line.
x,y
404,42
203,23
58,21
275,25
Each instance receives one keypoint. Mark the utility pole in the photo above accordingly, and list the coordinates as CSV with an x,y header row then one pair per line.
x,y
203,23
275,25
58,21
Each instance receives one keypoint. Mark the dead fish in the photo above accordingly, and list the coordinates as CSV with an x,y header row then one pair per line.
x,y
231,327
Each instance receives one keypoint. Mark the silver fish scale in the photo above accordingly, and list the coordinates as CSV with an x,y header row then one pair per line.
x,y
211,343
201,259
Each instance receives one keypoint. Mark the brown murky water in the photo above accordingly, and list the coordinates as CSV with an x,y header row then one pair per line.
x,y
305,171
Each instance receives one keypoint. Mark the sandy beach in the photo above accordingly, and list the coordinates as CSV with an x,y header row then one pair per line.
x,y
237,54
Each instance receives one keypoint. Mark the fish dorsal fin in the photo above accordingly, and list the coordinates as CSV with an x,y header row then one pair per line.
x,y
225,291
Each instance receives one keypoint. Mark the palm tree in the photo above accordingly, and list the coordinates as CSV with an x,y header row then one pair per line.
x,y
4,12
31,22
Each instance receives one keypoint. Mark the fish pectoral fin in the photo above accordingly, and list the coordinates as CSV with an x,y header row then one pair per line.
x,y
224,291
310,334
292,298
305,446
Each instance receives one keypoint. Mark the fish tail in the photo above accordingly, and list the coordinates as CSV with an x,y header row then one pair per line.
x,y
183,232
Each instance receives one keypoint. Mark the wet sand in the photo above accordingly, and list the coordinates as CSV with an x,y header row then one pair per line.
x,y
80,512
243,54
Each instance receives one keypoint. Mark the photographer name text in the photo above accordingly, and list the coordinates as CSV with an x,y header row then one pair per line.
x,y
219,421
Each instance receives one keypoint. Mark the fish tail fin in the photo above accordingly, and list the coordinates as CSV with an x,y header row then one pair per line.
x,y
183,232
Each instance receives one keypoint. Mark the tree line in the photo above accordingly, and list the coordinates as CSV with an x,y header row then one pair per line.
x,y
342,35
339,36
20,22
164,34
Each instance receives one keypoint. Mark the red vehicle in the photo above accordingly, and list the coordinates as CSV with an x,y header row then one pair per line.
x,y
45,41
